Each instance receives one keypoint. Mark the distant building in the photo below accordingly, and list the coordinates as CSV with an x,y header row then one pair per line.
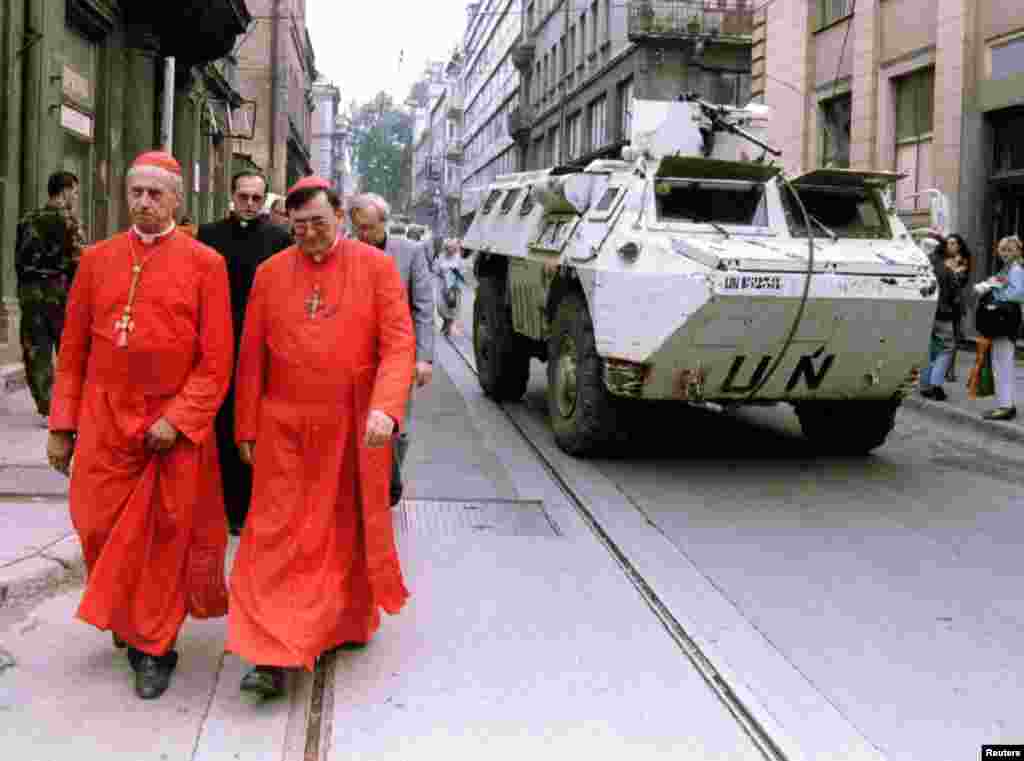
x,y
277,70
933,89
329,143
546,83
436,181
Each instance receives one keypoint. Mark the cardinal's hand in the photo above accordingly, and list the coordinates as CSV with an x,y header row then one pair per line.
x,y
247,451
379,428
59,447
161,436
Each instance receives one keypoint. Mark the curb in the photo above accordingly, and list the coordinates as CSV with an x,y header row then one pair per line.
x,y
946,413
12,378
43,572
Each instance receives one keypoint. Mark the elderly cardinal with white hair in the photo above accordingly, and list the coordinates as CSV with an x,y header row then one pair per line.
x,y
144,364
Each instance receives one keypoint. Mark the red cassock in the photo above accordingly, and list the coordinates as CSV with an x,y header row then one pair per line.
x,y
151,525
323,345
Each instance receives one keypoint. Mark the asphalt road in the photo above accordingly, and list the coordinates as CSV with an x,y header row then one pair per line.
x,y
892,582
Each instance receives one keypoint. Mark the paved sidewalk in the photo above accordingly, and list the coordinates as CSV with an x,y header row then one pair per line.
x,y
38,547
960,410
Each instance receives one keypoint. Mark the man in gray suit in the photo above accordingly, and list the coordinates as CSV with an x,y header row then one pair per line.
x,y
369,215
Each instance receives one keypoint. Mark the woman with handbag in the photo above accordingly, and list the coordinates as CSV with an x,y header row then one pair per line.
x,y
951,263
999,318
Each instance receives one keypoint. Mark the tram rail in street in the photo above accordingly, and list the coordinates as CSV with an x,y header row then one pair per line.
x,y
739,710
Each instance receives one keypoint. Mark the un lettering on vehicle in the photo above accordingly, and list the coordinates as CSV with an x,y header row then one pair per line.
x,y
756,283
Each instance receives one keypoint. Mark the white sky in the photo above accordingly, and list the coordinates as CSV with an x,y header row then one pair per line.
x,y
358,45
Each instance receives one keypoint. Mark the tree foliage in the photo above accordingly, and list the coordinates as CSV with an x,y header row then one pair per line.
x,y
381,135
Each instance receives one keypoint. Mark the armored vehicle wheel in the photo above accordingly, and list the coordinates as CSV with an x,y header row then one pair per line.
x,y
854,427
502,358
583,413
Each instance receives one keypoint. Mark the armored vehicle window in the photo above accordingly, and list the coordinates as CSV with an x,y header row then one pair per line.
x,y
848,212
607,199
510,201
491,200
528,203
695,202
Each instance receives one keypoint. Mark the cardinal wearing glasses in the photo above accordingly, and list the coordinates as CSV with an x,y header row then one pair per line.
x,y
322,384
245,240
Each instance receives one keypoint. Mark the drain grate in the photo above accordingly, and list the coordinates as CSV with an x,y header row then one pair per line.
x,y
497,517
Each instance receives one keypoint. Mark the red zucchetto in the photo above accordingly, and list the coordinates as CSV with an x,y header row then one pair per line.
x,y
160,160
310,182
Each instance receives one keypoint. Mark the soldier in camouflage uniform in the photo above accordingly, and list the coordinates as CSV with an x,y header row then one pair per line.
x,y
49,245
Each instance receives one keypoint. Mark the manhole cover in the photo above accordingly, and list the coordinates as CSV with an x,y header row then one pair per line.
x,y
432,517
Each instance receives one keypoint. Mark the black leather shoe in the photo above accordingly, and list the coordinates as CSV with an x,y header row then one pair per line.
x,y
935,393
265,681
119,643
353,645
1001,413
153,674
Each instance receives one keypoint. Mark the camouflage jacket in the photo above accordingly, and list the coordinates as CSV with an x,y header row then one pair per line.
x,y
49,245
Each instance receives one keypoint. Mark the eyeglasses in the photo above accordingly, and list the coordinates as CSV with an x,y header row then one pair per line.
x,y
248,198
320,223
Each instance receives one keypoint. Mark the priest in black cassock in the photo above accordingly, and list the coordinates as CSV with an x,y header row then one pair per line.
x,y
246,239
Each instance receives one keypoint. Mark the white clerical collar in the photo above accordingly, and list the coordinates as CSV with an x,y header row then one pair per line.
x,y
149,239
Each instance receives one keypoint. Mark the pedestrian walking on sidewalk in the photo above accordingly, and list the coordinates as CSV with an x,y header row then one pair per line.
x,y
323,381
1005,287
369,215
951,261
144,364
245,241
47,251
452,280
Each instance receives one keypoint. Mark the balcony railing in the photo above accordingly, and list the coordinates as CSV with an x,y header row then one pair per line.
x,y
455,105
520,122
727,20
522,52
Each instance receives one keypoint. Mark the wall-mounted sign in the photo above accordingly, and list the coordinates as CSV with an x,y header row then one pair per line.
x,y
76,87
75,121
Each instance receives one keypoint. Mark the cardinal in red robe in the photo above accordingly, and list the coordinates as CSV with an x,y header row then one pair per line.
x,y
324,366
144,364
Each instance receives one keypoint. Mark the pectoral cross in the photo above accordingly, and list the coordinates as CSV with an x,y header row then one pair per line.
x,y
313,302
126,324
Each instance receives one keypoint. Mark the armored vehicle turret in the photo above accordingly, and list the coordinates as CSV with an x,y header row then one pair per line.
x,y
694,270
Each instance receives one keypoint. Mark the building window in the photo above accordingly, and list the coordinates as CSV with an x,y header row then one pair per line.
x,y
830,11
583,38
573,134
607,20
572,47
1008,59
914,98
593,27
835,132
1009,142
598,123
625,109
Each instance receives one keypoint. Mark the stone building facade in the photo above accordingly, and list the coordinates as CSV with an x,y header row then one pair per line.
x,y
933,89
435,173
85,93
329,142
582,63
277,70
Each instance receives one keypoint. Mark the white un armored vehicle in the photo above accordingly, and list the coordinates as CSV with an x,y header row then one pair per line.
x,y
693,270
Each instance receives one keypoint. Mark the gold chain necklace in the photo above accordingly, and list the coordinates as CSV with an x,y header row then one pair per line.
x,y
126,325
